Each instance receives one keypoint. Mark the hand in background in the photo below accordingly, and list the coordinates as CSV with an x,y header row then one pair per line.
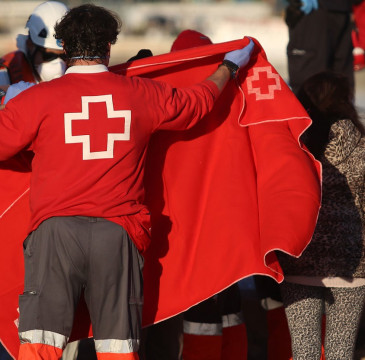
x,y
308,6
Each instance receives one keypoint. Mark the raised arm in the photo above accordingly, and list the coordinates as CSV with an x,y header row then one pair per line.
x,y
232,62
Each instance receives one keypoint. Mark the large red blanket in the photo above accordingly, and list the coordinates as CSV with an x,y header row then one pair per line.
x,y
224,195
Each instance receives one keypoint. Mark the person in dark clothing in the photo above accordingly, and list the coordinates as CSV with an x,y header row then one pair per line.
x,y
319,39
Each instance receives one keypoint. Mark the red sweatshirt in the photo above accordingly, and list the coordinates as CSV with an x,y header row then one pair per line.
x,y
89,131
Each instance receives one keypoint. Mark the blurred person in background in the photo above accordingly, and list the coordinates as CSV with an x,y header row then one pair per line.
x,y
39,56
329,277
188,39
319,39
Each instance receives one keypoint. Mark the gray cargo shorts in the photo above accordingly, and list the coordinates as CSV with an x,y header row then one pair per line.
x,y
67,255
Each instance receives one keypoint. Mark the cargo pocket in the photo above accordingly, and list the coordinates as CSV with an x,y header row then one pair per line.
x,y
29,264
28,309
136,284
136,293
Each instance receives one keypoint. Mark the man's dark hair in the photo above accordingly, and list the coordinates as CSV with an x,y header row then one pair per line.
x,y
87,30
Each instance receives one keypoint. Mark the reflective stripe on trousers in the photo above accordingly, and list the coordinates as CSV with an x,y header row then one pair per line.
x,y
196,328
114,349
43,337
40,345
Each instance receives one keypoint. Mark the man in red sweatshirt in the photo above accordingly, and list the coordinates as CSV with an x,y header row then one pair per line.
x,y
89,131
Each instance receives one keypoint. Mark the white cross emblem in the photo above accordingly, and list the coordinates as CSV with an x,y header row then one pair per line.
x,y
87,154
271,87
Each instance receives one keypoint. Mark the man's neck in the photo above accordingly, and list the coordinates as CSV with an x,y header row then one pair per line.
x,y
82,62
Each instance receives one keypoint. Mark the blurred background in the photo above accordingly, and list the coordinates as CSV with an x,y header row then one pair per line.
x,y
155,24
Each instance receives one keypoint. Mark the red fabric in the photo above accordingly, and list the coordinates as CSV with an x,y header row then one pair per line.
x,y
231,345
225,194
358,34
18,67
203,347
39,352
14,219
234,344
188,39
112,356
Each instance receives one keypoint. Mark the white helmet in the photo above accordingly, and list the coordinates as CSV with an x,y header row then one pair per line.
x,y
42,21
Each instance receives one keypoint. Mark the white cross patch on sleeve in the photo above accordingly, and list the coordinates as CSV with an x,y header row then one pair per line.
x,y
87,154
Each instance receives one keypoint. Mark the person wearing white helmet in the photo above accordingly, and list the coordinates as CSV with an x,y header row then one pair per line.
x,y
39,56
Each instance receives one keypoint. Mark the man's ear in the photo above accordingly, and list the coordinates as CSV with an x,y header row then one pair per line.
x,y
106,61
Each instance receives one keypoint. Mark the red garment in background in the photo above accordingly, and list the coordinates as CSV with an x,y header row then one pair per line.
x,y
14,220
358,34
223,195
231,345
18,67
